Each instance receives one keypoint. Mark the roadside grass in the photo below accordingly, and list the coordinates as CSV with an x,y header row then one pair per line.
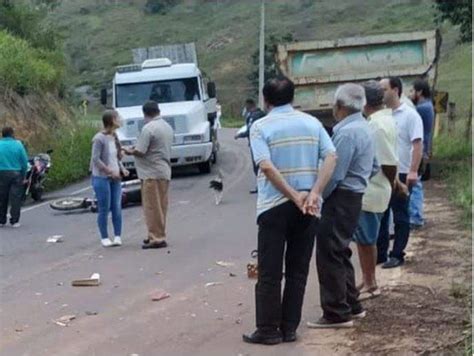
x,y
452,159
229,121
71,156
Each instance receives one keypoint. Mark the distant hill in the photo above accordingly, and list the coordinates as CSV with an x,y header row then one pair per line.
x,y
99,34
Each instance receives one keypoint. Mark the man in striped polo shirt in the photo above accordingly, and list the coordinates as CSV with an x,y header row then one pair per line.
x,y
287,146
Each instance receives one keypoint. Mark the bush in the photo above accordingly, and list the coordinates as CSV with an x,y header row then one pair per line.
x,y
71,156
26,69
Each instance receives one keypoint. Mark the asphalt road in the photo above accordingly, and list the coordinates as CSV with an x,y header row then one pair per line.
x,y
35,276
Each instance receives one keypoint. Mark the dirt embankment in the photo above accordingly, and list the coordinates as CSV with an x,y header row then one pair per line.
x,y
422,309
34,117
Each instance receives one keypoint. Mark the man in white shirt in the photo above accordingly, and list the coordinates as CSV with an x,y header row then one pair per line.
x,y
410,151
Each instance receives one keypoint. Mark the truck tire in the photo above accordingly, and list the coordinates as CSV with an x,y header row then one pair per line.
x,y
205,167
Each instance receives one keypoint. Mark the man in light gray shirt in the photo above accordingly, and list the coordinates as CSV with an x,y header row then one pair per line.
x,y
356,163
152,160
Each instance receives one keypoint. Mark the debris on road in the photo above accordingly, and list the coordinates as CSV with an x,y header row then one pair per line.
x,y
232,274
64,320
225,264
55,239
59,284
158,273
19,330
38,294
252,270
93,281
238,321
90,313
157,296
212,284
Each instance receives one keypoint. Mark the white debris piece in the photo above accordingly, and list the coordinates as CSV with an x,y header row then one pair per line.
x,y
55,239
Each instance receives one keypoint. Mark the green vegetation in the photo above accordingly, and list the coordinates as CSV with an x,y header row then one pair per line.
x,y
30,58
71,156
26,69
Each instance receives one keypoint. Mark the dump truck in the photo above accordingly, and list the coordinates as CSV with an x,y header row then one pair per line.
x,y
318,67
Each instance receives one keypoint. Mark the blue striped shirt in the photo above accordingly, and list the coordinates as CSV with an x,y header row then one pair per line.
x,y
294,142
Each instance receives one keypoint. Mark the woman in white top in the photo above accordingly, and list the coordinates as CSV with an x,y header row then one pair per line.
x,y
107,170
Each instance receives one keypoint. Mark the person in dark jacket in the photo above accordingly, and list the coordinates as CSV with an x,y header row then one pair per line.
x,y
13,166
252,113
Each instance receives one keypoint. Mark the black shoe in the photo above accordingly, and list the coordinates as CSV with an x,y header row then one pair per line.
x,y
392,263
254,191
289,336
161,244
263,337
146,241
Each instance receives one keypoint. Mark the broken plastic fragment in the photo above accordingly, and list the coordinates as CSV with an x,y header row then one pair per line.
x,y
55,239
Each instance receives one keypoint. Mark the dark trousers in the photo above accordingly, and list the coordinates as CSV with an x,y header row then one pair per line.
x,y
277,227
340,215
401,220
11,192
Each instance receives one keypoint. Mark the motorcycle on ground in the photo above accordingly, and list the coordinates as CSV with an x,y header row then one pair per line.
x,y
131,195
38,167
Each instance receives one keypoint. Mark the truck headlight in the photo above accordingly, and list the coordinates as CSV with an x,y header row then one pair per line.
x,y
193,138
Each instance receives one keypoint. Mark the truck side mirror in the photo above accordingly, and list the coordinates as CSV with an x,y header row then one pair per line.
x,y
211,90
103,96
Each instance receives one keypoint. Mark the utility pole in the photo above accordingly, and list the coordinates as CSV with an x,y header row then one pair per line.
x,y
261,66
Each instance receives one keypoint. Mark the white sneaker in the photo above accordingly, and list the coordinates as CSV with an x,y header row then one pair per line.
x,y
16,225
106,242
117,241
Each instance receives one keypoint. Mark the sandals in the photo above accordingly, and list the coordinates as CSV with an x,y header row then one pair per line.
x,y
369,294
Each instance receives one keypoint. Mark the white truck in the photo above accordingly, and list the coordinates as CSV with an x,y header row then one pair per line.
x,y
186,102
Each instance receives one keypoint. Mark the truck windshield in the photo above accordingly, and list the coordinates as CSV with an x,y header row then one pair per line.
x,y
166,91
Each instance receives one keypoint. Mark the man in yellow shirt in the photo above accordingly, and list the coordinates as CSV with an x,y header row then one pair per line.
x,y
379,190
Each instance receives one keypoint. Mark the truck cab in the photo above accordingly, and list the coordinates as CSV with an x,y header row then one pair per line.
x,y
185,102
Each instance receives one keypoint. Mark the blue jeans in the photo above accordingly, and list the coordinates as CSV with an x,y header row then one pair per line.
x,y
401,219
416,204
109,198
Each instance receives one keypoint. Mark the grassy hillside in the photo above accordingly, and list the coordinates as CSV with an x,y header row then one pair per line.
x,y
100,34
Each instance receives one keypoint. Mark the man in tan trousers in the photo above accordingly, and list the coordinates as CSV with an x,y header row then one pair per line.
x,y
152,161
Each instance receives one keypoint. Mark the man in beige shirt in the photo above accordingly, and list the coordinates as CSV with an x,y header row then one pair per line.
x,y
152,161
379,190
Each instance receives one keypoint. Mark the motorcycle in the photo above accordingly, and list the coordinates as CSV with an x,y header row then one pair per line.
x,y
131,195
38,167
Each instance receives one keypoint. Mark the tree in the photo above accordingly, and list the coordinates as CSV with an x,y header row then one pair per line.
x,y
458,13
271,69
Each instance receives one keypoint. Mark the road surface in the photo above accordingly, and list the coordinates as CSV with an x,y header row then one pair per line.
x,y
36,276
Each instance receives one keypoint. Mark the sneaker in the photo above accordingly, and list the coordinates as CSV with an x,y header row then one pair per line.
x,y
106,242
359,315
117,241
16,225
392,263
323,323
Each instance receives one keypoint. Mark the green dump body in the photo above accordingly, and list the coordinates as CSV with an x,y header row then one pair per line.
x,y
319,67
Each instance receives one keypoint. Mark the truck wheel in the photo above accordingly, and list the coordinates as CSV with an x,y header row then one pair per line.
x,y
205,167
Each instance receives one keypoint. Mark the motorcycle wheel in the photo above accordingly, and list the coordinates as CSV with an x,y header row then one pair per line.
x,y
68,204
37,194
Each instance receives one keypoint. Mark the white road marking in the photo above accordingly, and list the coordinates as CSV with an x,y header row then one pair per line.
x,y
47,202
